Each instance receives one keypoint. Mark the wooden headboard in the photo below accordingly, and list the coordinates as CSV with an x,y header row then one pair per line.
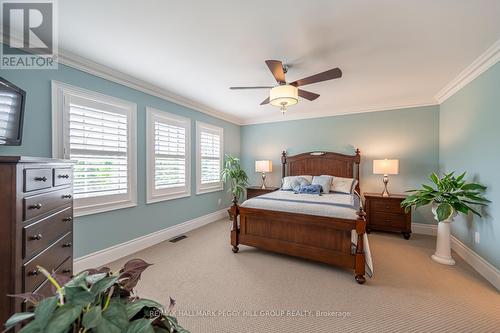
x,y
321,163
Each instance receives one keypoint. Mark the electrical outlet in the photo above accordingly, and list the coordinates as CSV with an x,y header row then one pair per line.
x,y
219,202
476,237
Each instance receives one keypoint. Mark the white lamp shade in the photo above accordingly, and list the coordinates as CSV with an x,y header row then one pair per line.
x,y
284,95
386,167
263,166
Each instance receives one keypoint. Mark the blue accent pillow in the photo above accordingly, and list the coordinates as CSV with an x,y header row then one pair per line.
x,y
310,189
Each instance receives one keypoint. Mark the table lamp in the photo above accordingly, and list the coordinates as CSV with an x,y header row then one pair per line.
x,y
263,167
385,167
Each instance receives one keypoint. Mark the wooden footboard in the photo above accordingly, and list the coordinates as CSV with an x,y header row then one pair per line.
x,y
317,238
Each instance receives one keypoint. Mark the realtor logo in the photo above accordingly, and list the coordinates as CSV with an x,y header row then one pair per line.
x,y
29,34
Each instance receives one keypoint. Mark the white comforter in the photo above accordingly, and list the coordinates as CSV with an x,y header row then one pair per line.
x,y
337,205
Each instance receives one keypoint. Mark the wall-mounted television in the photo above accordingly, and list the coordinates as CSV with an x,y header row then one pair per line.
x,y
12,101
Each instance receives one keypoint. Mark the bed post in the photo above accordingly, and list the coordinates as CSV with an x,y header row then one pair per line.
x,y
235,230
283,164
359,268
357,161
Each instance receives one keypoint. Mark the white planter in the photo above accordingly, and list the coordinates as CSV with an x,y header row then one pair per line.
x,y
443,243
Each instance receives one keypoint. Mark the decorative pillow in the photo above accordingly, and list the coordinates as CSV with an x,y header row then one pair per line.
x,y
310,189
324,181
344,185
292,183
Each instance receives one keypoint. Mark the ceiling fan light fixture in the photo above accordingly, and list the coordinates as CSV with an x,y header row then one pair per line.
x,y
284,96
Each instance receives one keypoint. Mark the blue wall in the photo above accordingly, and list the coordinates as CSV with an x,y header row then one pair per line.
x,y
98,231
410,135
469,141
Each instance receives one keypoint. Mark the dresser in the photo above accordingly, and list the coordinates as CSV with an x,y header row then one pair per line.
x,y
254,191
36,226
386,214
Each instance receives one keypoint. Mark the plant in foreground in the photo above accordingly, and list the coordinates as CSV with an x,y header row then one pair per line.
x,y
96,301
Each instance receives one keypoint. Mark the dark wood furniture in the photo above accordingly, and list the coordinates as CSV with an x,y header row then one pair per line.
x,y
255,191
386,214
36,226
319,238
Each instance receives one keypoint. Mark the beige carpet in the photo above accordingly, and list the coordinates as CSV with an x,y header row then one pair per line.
x,y
255,291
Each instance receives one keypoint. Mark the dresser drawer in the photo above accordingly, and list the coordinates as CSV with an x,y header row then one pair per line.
x,y
387,206
63,176
42,203
49,259
46,288
37,179
387,220
39,235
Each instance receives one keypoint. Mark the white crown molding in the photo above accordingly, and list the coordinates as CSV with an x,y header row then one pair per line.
x,y
110,74
344,112
110,254
486,60
487,270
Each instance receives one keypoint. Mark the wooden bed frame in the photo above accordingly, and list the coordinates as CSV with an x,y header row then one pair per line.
x,y
317,238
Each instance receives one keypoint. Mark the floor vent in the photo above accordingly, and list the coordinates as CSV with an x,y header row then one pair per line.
x,y
178,238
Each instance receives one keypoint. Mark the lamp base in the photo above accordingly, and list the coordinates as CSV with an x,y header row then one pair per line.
x,y
385,193
263,181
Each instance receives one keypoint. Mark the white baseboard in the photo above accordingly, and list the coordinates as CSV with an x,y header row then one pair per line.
x,y
487,270
110,254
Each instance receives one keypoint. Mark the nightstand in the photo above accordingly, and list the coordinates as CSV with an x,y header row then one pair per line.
x,y
386,214
254,191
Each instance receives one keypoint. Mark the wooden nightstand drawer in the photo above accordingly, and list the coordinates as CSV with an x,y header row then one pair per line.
x,y
387,220
255,191
387,206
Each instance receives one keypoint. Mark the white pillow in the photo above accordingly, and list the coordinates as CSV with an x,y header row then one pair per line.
x,y
344,185
324,181
292,182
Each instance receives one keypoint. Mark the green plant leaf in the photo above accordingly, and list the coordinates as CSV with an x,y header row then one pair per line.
x,y
44,310
78,296
102,285
114,318
94,278
140,326
63,318
134,307
474,187
444,211
434,178
16,318
78,281
92,317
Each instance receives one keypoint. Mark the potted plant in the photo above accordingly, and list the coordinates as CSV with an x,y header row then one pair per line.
x,y
96,301
449,196
236,176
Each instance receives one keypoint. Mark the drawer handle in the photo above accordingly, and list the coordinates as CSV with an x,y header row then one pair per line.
x,y
37,237
36,206
67,196
67,245
33,272
68,219
387,207
66,271
41,179
63,176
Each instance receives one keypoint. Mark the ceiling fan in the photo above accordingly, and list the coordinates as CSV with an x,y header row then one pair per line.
x,y
286,94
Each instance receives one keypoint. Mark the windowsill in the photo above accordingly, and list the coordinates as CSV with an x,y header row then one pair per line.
x,y
209,189
89,210
160,198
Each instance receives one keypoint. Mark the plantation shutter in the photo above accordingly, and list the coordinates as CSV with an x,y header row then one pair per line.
x,y
98,145
210,153
170,155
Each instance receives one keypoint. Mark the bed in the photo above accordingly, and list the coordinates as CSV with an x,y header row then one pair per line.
x,y
330,228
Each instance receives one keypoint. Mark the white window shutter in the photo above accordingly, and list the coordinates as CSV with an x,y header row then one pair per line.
x,y
209,158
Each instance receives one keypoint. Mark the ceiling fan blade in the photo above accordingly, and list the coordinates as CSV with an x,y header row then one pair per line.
x,y
266,101
256,87
320,77
276,67
308,95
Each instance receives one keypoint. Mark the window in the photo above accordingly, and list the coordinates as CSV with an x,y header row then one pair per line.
x,y
168,156
98,133
210,148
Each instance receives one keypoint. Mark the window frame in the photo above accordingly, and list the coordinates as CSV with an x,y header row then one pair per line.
x,y
61,95
152,194
216,186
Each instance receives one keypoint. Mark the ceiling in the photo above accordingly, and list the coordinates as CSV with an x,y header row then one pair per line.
x,y
392,53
